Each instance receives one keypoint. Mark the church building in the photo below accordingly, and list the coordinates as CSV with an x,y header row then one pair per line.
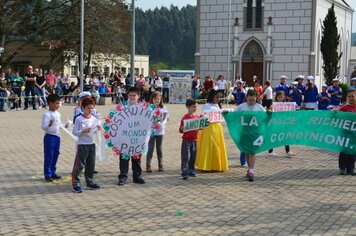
x,y
268,38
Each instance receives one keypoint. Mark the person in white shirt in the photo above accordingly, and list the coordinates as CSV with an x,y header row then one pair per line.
x,y
221,83
51,124
85,127
267,95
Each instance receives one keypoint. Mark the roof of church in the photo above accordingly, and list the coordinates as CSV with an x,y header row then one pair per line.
x,y
345,3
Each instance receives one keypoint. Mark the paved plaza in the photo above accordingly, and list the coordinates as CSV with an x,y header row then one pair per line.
x,y
302,195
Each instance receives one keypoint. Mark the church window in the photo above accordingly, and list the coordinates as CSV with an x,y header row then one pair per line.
x,y
253,12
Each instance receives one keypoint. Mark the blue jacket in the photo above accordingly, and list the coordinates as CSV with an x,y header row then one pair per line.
x,y
239,95
323,103
283,87
335,101
311,95
295,95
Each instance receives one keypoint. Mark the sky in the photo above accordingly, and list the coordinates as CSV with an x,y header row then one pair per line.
x,y
151,4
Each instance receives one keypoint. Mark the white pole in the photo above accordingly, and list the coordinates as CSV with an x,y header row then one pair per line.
x,y
132,71
81,45
229,43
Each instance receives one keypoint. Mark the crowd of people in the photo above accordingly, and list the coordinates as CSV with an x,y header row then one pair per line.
x,y
35,86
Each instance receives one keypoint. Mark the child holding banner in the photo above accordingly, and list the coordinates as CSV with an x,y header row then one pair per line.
x,y
280,97
189,142
85,126
133,100
347,161
156,99
251,105
211,152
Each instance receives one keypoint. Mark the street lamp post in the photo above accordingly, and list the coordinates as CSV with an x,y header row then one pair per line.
x,y
132,71
81,45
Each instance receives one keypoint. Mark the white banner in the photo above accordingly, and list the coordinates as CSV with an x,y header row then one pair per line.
x,y
284,106
127,129
195,124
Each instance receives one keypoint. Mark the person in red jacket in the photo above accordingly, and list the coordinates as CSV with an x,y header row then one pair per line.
x,y
189,142
347,161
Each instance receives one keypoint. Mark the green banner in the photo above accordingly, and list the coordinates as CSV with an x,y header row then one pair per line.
x,y
255,132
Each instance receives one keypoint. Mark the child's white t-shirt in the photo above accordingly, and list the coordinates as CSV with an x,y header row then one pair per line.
x,y
54,129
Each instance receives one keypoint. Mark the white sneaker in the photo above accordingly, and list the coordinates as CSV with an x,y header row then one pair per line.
x,y
289,154
273,154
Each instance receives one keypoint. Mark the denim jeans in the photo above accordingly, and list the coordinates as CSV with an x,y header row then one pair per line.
x,y
188,156
3,96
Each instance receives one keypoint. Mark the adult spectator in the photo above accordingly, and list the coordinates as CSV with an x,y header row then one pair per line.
x,y
165,90
208,85
9,75
40,87
16,83
51,78
154,82
267,95
195,86
30,78
94,93
221,83
3,91
65,82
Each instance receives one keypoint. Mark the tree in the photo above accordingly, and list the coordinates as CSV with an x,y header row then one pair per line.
x,y
329,46
57,23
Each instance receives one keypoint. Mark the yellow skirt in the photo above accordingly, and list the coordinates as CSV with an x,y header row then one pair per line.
x,y
211,153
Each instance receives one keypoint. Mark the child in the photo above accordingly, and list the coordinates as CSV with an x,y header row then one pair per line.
x,y
310,94
280,97
251,105
211,153
189,142
85,126
133,100
353,84
51,124
323,98
347,161
156,99
336,94
78,110
295,94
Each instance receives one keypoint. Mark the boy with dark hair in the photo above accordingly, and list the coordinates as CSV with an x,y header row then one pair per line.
x,y
133,100
189,142
51,124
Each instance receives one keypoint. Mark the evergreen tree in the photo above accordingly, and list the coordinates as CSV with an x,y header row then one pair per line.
x,y
167,35
329,46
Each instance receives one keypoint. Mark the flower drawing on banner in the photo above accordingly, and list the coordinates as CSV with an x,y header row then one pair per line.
x,y
116,150
108,120
106,135
119,107
157,112
112,113
106,127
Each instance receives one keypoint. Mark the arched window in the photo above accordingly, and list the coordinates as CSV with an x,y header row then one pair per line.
x,y
253,52
253,12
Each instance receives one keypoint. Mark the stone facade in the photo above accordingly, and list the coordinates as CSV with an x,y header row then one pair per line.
x,y
294,38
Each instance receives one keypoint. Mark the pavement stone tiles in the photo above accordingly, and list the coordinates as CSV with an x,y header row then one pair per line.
x,y
302,195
